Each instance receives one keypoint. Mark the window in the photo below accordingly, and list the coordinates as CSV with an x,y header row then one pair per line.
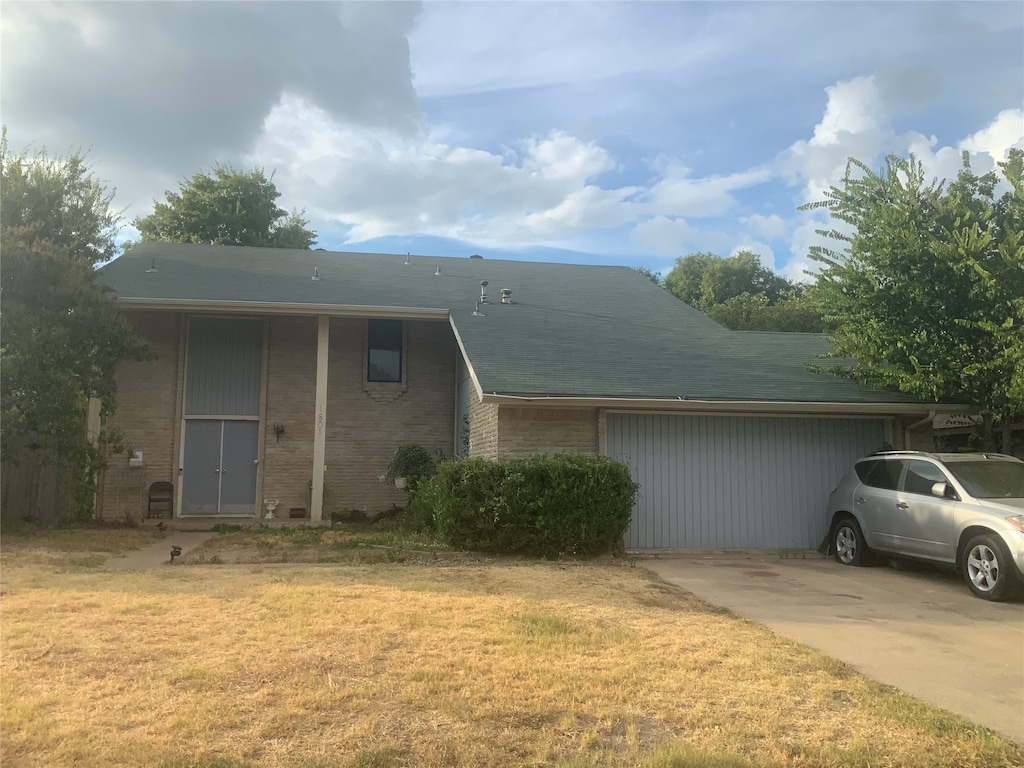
x,y
884,473
921,476
384,344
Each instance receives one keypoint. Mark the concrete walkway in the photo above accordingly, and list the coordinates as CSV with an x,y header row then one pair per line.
x,y
159,553
919,630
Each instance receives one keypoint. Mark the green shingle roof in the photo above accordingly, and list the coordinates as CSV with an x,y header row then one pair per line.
x,y
576,330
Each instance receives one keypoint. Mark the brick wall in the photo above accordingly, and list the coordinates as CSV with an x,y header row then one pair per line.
x,y
525,432
290,401
148,401
366,422
483,428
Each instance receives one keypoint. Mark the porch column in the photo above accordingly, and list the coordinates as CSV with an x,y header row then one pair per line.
x,y
316,511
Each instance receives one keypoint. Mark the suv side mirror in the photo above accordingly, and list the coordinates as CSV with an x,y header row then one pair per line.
x,y
943,491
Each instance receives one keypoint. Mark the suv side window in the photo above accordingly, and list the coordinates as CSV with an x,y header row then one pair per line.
x,y
921,476
880,473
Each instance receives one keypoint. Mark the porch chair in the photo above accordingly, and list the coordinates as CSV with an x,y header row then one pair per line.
x,y
161,500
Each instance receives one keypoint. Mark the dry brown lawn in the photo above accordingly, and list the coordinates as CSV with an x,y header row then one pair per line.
x,y
447,663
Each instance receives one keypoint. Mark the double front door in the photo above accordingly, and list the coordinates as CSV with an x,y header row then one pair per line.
x,y
219,473
222,416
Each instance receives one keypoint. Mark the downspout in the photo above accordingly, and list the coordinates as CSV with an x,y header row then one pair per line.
x,y
919,423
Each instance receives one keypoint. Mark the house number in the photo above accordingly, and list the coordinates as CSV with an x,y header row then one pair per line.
x,y
320,422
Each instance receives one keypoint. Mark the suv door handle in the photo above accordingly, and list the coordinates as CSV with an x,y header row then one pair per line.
x,y
861,499
902,505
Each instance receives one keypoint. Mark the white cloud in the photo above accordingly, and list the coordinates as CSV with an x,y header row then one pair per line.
x,y
379,184
679,194
996,139
855,124
163,89
666,236
767,226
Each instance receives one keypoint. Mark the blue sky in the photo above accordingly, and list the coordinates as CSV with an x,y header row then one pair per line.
x,y
594,132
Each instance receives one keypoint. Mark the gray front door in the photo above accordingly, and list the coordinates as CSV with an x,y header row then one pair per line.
x,y
219,475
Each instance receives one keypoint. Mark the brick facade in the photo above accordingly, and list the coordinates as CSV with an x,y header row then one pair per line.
x,y
483,429
148,404
518,432
290,397
365,422
525,432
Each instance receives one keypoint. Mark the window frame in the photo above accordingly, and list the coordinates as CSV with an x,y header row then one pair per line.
x,y
906,476
385,390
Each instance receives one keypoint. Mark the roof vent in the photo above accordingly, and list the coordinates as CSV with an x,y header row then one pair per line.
x,y
477,312
476,256
437,273
152,266
483,291
407,262
506,296
316,273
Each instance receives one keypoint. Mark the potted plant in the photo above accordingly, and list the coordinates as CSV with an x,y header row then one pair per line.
x,y
411,465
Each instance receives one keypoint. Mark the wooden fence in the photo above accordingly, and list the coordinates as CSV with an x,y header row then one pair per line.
x,y
31,492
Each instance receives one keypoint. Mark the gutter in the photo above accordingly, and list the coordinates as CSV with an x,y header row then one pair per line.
x,y
284,308
648,404
920,423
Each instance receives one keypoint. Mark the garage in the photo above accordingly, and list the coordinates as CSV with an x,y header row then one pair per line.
x,y
726,482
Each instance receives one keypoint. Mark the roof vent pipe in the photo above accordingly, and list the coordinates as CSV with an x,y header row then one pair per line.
x,y
152,266
477,312
316,273
506,296
437,272
483,291
407,262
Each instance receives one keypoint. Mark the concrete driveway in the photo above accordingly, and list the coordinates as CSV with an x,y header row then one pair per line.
x,y
919,630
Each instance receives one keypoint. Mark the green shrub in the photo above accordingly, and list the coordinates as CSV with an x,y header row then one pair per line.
x,y
414,463
547,506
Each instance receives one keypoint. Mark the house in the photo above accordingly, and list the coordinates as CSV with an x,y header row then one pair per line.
x,y
284,380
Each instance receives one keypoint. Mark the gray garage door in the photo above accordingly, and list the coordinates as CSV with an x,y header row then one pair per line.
x,y
709,482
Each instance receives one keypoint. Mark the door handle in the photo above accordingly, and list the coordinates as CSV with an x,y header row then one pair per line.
x,y
861,499
902,505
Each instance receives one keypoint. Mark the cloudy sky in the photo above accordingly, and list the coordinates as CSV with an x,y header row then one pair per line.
x,y
595,132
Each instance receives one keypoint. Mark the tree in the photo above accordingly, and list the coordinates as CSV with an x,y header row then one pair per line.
x,y
654,277
742,294
226,207
795,311
927,293
61,337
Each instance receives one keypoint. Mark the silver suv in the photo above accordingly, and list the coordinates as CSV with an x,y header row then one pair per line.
x,y
960,509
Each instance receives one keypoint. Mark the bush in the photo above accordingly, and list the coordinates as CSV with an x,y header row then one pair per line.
x,y
414,463
547,506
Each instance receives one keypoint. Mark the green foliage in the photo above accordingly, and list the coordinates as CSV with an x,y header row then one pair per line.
x,y
927,293
654,277
414,463
794,311
743,295
57,199
61,337
546,506
226,207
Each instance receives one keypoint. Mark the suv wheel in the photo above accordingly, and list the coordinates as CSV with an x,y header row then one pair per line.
x,y
987,568
848,543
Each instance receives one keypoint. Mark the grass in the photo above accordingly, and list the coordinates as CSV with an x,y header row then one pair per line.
x,y
354,543
425,663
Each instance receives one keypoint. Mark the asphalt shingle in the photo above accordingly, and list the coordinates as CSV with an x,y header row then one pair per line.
x,y
570,330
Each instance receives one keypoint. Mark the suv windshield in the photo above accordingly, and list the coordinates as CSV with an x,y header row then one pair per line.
x,y
990,479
